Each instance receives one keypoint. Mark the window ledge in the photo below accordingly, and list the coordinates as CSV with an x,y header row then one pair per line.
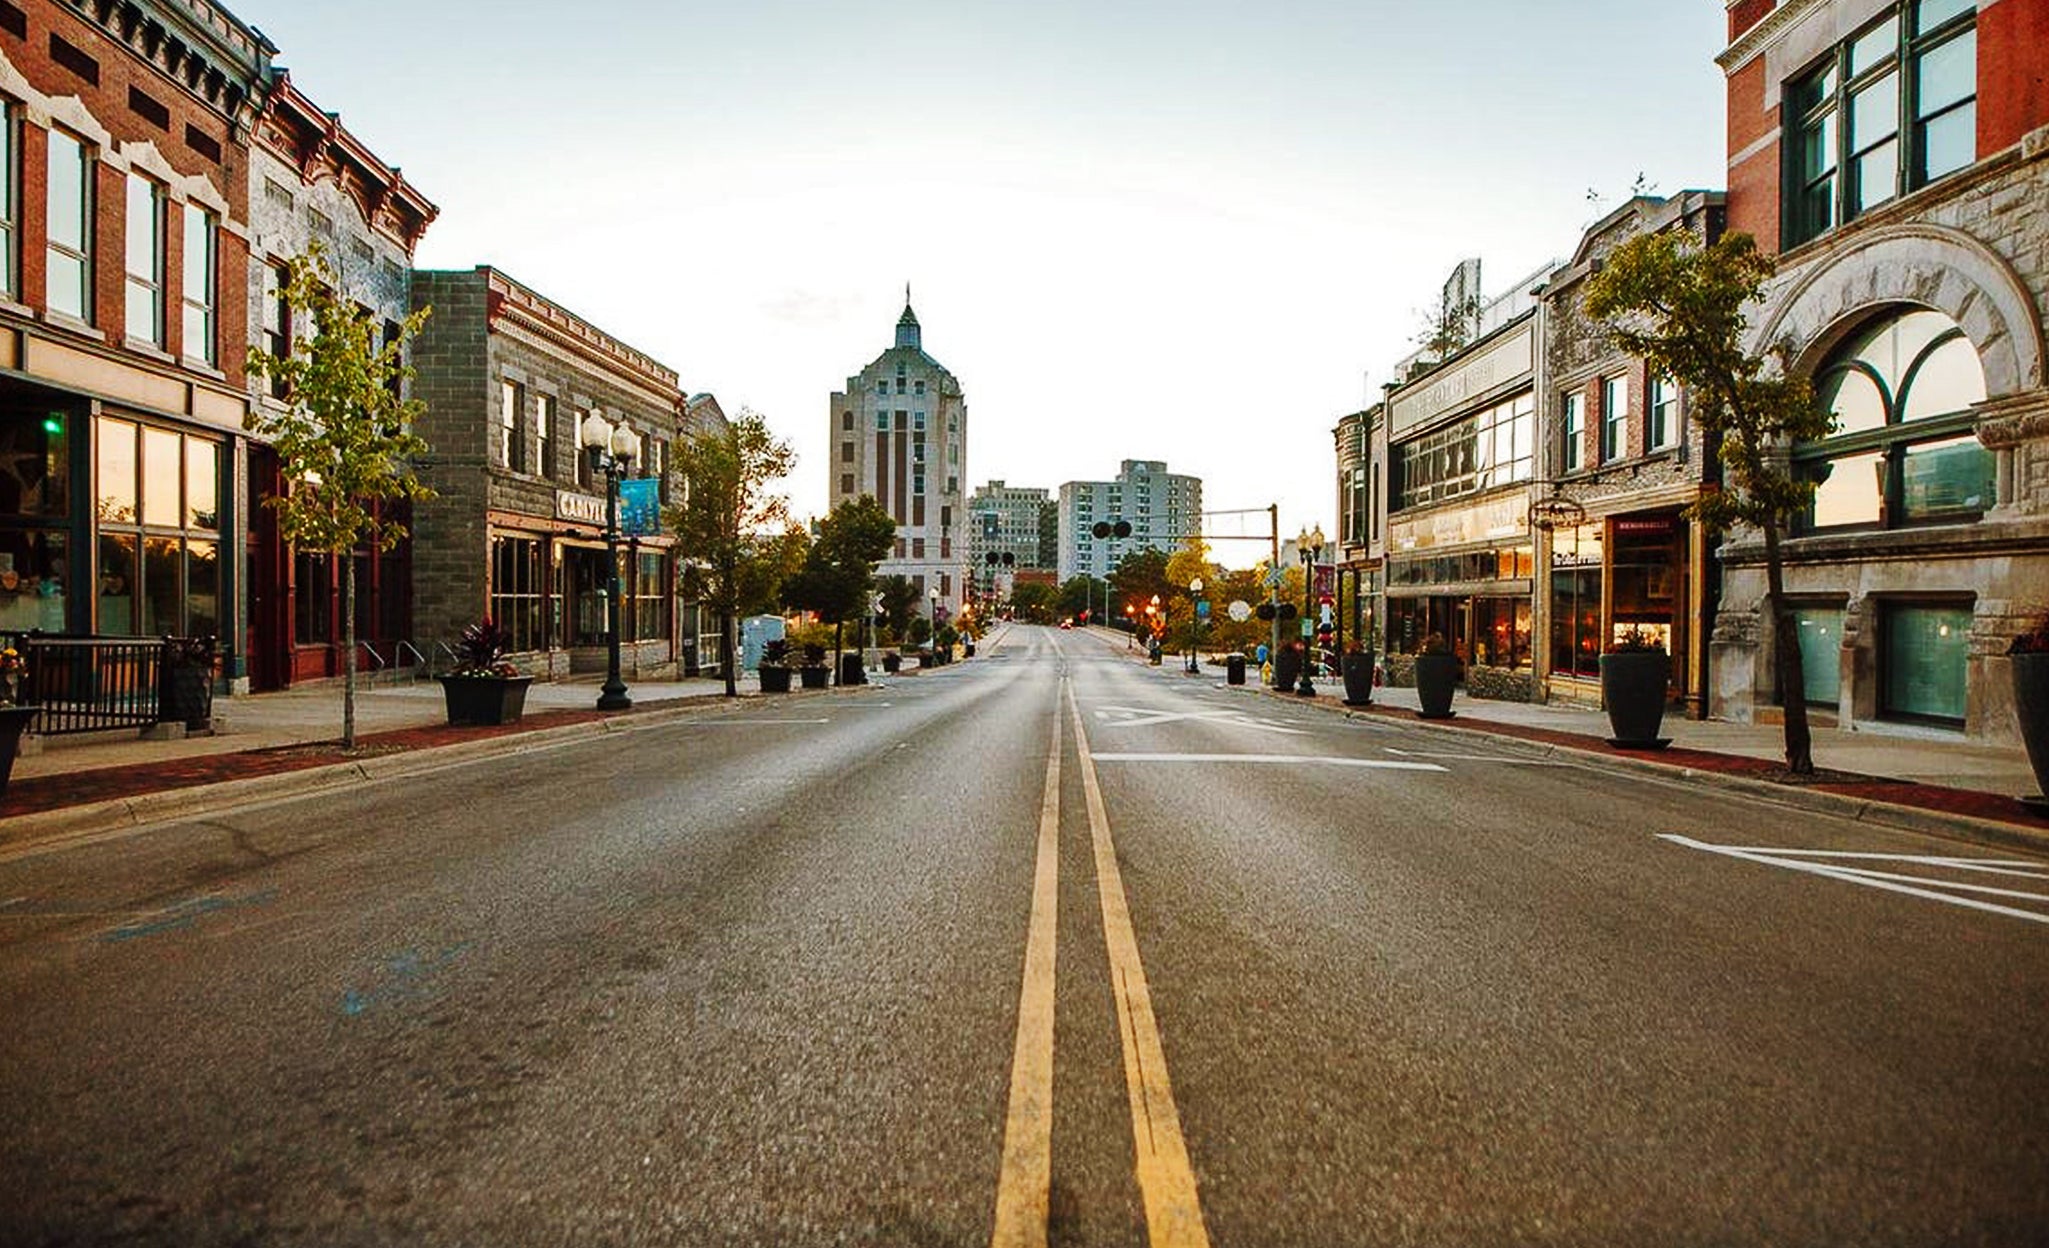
x,y
69,324
144,347
203,368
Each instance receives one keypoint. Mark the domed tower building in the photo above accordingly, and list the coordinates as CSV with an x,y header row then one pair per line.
x,y
899,433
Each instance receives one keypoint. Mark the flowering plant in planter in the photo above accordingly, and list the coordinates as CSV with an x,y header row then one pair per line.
x,y
480,651
1636,676
484,687
1634,640
12,665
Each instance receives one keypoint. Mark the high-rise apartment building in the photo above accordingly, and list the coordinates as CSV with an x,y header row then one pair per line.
x,y
1163,509
1004,521
899,433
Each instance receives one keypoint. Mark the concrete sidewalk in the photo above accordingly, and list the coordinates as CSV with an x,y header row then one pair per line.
x,y
267,721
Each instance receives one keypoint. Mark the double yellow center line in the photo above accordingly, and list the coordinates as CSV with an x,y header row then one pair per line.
x,y
1173,1213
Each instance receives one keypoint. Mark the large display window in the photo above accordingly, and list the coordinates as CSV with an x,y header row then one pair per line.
x,y
157,501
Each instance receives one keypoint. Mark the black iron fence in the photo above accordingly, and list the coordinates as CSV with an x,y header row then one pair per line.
x,y
90,684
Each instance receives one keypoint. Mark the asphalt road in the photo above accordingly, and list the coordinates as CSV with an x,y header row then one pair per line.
x,y
1050,945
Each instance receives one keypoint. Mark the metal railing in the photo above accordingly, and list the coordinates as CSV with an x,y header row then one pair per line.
x,y
87,684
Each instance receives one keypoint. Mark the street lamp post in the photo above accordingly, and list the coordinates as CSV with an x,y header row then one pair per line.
x,y
932,639
1310,545
612,449
1194,625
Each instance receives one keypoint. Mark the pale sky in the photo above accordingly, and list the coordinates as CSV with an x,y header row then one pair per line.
x,y
1194,232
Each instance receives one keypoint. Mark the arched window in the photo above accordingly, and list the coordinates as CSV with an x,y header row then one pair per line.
x,y
1902,451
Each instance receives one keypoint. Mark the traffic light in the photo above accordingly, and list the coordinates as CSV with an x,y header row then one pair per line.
x,y
1104,528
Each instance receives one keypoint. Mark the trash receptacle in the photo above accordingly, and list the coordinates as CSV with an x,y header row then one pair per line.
x,y
1234,669
851,670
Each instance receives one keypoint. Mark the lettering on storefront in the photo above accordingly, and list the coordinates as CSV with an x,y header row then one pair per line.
x,y
583,508
1502,517
1505,361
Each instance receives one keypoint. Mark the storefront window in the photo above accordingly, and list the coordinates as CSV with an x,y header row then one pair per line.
x,y
312,599
1821,641
35,464
516,591
1926,654
1576,601
157,495
35,579
650,598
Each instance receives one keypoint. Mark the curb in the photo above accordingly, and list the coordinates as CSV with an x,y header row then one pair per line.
x,y
1870,810
51,829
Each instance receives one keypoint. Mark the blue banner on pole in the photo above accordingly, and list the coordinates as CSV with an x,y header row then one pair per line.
x,y
640,507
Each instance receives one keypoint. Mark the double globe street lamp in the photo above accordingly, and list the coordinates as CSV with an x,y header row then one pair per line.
x,y
1195,625
1310,545
612,448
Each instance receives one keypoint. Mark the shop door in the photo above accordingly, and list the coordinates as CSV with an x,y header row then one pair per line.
x,y
268,637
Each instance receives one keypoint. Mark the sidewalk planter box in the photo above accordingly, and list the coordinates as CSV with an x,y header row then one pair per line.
x,y
851,671
892,663
1436,677
14,721
813,677
1287,670
774,679
2031,708
477,700
1357,668
1633,685
927,658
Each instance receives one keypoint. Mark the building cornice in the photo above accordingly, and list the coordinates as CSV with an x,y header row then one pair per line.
x,y
508,302
1752,43
316,144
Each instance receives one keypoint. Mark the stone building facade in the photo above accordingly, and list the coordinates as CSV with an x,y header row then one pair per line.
x,y
1359,547
1913,286
313,182
516,530
899,434
1621,461
122,331
1461,436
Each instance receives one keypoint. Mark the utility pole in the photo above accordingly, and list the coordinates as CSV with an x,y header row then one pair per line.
x,y
1273,588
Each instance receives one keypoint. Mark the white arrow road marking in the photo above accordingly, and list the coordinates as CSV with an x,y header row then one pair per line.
x,y
1379,764
1482,758
1145,716
1911,885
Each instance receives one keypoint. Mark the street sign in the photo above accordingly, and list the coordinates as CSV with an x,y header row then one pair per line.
x,y
1308,627
1202,609
1274,578
1239,610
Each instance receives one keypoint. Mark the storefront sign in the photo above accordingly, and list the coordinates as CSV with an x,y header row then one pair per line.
x,y
1498,365
583,508
1644,524
1502,517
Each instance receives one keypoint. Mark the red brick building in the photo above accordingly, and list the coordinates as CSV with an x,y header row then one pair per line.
x,y
123,252
1895,155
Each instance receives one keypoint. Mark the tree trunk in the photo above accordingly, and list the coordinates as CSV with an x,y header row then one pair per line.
x,y
349,656
726,656
1786,663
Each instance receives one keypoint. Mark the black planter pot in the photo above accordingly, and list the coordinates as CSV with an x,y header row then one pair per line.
x,y
1357,669
774,679
892,663
1633,685
851,671
14,721
485,699
1287,670
814,677
1436,677
2031,708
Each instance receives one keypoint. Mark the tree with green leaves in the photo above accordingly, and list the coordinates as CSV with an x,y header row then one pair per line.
x,y
899,604
840,566
344,438
737,541
1034,601
1679,305
1082,593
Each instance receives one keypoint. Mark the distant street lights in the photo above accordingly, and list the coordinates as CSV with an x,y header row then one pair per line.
x,y
1310,544
613,448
